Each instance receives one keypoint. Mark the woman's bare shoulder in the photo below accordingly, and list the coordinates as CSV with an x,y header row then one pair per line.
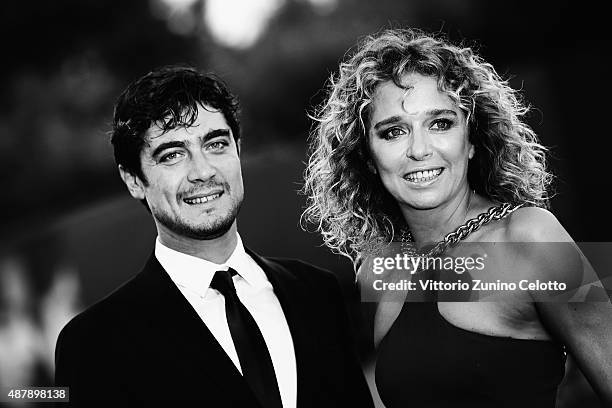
x,y
539,241
534,224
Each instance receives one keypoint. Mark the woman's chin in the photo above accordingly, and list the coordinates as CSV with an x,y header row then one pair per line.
x,y
427,204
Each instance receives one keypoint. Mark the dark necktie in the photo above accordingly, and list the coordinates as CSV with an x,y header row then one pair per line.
x,y
255,361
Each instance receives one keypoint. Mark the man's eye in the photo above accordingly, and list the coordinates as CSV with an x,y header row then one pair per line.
x,y
441,124
170,157
218,145
393,133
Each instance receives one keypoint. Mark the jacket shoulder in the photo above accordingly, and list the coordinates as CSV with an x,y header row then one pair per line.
x,y
294,263
304,271
107,313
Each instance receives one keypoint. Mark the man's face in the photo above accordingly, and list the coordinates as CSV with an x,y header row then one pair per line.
x,y
194,181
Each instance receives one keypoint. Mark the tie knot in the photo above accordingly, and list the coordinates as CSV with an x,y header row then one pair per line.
x,y
223,282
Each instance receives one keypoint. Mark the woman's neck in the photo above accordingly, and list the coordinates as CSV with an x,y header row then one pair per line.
x,y
431,225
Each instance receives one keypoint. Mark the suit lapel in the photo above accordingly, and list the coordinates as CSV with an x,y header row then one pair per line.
x,y
177,326
293,297
180,329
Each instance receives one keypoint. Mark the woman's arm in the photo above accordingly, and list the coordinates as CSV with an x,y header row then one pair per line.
x,y
585,328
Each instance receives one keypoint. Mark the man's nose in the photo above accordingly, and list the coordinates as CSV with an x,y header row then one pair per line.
x,y
419,147
200,168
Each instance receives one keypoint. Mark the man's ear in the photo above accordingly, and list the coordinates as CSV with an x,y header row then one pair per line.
x,y
239,146
133,183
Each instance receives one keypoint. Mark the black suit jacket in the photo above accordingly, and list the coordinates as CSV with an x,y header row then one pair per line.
x,y
145,344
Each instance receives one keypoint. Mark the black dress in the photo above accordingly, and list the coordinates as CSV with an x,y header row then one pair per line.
x,y
425,361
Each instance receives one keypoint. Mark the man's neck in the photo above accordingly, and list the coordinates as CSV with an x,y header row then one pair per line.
x,y
216,250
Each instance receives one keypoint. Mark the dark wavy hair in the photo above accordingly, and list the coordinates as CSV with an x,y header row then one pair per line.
x,y
167,97
348,203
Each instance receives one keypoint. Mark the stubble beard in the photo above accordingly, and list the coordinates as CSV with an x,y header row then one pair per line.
x,y
204,231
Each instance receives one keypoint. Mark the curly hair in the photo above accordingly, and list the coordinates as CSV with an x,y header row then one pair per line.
x,y
347,202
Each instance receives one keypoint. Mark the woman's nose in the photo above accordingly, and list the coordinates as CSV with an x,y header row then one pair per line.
x,y
420,145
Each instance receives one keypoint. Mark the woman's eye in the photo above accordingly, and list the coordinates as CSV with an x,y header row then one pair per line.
x,y
393,133
441,124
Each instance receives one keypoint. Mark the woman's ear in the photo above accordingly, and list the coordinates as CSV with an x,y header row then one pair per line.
x,y
371,167
472,151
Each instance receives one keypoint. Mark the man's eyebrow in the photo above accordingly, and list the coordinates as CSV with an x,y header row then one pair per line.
x,y
180,143
167,145
214,133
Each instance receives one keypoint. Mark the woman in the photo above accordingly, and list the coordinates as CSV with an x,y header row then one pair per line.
x,y
421,141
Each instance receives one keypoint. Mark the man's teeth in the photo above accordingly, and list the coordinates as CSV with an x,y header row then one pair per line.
x,y
420,176
201,200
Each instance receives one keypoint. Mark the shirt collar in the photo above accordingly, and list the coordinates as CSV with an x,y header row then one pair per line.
x,y
196,274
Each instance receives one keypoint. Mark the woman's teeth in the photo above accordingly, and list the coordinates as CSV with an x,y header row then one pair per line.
x,y
422,176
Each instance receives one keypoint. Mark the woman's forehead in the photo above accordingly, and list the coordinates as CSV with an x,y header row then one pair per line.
x,y
417,94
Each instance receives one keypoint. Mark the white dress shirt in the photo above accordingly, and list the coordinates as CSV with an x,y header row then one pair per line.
x,y
193,275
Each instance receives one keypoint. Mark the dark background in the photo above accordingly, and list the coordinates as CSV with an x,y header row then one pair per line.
x,y
70,233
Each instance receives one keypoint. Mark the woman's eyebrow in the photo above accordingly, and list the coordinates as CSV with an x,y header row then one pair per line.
x,y
388,121
430,113
438,112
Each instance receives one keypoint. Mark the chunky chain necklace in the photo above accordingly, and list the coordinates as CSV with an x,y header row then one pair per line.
x,y
460,233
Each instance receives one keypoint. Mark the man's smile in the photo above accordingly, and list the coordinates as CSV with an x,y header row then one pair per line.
x,y
202,198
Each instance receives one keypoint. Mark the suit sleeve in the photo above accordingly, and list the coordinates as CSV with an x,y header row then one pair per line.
x,y
83,365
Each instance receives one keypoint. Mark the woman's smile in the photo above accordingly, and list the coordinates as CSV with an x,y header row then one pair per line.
x,y
424,177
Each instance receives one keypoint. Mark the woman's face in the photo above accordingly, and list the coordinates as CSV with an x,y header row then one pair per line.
x,y
418,140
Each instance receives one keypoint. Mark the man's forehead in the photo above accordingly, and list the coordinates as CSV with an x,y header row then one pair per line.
x,y
188,117
156,132
155,135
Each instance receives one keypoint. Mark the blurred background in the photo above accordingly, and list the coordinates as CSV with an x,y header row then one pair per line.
x,y
70,233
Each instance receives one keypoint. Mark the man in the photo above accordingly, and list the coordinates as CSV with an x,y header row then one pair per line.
x,y
207,322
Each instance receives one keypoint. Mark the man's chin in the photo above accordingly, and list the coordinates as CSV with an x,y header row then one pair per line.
x,y
209,231
206,234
